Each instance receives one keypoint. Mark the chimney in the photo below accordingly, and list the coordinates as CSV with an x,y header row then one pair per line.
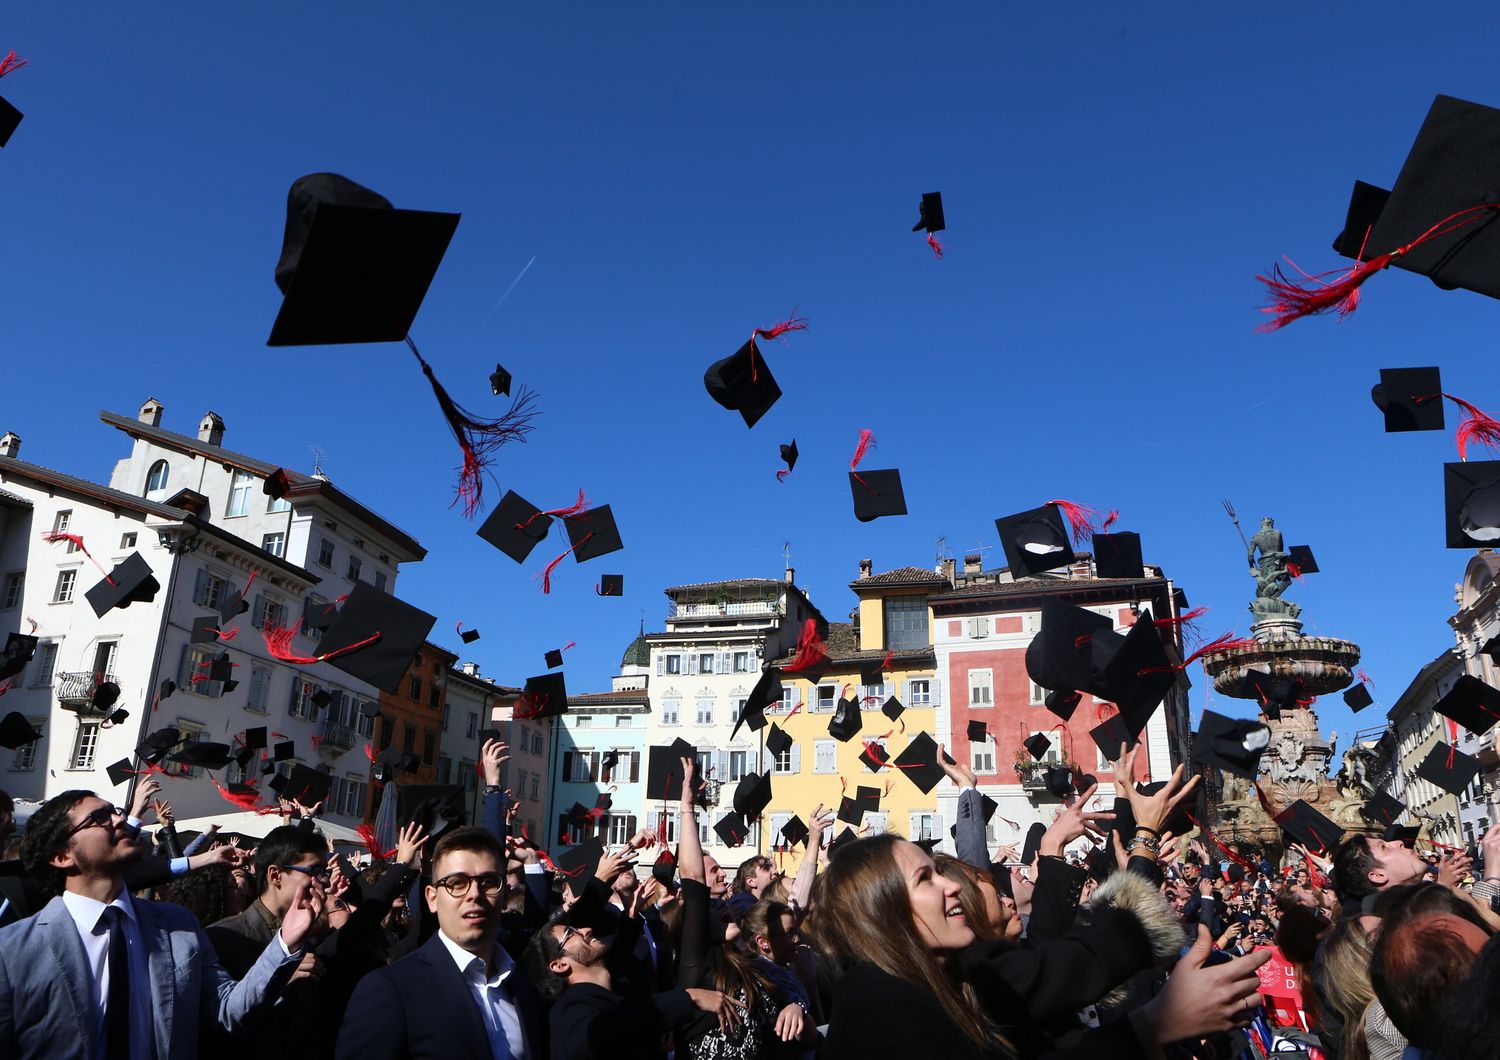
x,y
791,578
470,669
865,566
150,413
211,429
973,563
946,567
10,445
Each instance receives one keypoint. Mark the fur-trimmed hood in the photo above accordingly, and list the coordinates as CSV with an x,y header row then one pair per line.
x,y
1136,896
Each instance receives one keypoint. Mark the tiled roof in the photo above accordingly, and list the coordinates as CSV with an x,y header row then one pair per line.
x,y
620,697
732,583
1034,585
899,576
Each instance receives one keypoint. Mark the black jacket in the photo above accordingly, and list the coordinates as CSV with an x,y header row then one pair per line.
x,y
590,1022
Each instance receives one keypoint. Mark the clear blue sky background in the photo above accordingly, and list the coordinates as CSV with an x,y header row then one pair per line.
x,y
1114,179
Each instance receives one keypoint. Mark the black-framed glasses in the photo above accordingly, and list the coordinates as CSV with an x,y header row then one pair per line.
x,y
316,872
103,817
457,883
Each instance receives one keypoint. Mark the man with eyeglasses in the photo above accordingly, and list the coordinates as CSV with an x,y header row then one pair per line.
x,y
288,861
97,973
457,997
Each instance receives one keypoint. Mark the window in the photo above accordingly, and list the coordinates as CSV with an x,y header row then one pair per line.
x,y
581,766
622,721
621,827
414,689
876,823
670,708
62,521
585,721
473,726
197,662
25,759
429,747
874,692
1038,694
706,662
301,705
536,745
706,766
705,710
275,543
825,756
380,580
828,696
63,594
46,662
742,662
353,572
409,738
435,696
447,710
535,787
978,628
466,769
156,478
387,731
268,612
788,699
1054,754
15,581
674,664
921,692
444,769
925,826
325,553
982,755
84,744
278,504
364,720
981,688
905,622
210,591
789,761
736,765
239,494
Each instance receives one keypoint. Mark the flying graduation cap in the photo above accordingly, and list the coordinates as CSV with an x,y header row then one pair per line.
x,y
788,457
767,690
1233,745
16,731
1471,503
131,582
742,382
354,268
1472,703
19,648
930,219
10,117
875,493
374,638
610,585
1118,555
1410,399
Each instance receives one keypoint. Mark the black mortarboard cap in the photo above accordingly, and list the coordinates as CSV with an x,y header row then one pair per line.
x,y
1357,696
117,717
205,630
318,614
1401,833
579,861
931,208
1365,203
1059,781
1383,808
846,836
578,814
1118,555
165,689
778,740
732,829
204,754
243,756
795,831
1035,541
743,383
1272,694
499,381
664,770
119,772
222,669
851,811
1491,648
593,533
1179,821
1231,744
979,732
752,795
664,871
1061,655
436,807
234,604
105,694
278,784
131,582
767,690
919,763
1450,168
847,720
612,585
277,484
369,708
877,493
515,527
1037,745
1309,827
1111,736
544,696
1471,703
789,454
284,750
10,118
874,757
1063,702
353,268
1138,673
1449,768
159,743
1235,873
401,627
1411,398
19,648
16,731
892,708
1033,842
1301,557
1471,501
553,658
872,673
469,636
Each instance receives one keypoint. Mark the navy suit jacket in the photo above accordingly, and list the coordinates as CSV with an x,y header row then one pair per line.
x,y
420,1008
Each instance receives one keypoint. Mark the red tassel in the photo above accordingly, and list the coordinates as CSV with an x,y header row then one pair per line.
x,y
279,644
478,437
227,636
1477,426
10,63
810,648
1084,521
245,801
549,568
316,740
937,247
370,752
1364,678
249,582
372,844
866,443
775,331
1265,802
52,537
1238,859
578,507
887,661
1183,619
1225,642
782,474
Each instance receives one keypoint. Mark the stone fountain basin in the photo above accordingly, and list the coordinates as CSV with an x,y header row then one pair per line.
x,y
1322,664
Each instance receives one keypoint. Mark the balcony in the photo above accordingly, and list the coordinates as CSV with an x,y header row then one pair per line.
x,y
334,738
75,691
755,609
1034,776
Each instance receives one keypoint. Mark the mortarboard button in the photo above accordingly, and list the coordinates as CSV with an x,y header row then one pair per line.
x,y
778,741
611,585
593,533
931,218
544,696
847,720
469,636
743,383
1037,745
1471,703
752,795
16,731
1410,398
397,628
353,268
1366,202
1118,555
732,829
979,732
516,526
1471,500
1231,744
1357,697
19,648
918,762
1301,557
554,658
1035,541
892,708
131,582
500,381
877,494
795,831
1063,702
119,772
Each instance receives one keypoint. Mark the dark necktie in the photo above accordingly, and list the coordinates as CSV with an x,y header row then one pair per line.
x,y
117,1006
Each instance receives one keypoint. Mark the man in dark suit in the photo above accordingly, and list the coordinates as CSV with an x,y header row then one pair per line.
x,y
97,973
458,997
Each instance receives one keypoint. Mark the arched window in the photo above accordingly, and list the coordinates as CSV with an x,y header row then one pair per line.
x,y
157,478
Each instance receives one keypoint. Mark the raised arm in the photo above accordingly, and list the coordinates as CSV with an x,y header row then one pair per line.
x,y
689,846
818,822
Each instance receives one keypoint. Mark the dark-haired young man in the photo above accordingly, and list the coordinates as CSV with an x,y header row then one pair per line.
x,y
97,973
458,997
1363,865
287,861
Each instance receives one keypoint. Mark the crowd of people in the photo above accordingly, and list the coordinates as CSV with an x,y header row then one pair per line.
x,y
471,941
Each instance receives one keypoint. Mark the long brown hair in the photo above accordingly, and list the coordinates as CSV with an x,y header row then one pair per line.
x,y
864,915
970,897
1344,973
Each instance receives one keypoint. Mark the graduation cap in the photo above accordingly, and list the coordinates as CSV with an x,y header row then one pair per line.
x,y
580,861
158,743
553,658
234,604
1471,501
1061,655
318,615
839,841
203,754
931,217
979,733
165,689
1490,647
664,770
877,493
1383,808
1410,398
499,381
119,772
515,527
1307,826
1118,555
1273,694
277,484
1063,702
592,534
578,815
131,582
743,383
1231,744
205,630
104,696
795,831
918,762
1138,673
1035,541
752,795
1033,842
1471,703
892,708
778,741
19,648
874,757
544,696
243,756
375,637
611,585
436,807
847,720
664,871
1401,833
469,636
851,811
1301,557
1449,768
1059,781
788,457
1037,744
767,690
307,786
284,750
16,731
1357,696
732,829
1366,202
1111,737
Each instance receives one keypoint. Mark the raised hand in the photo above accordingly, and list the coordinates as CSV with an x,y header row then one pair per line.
x,y
300,918
961,775
612,865
145,791
163,811
492,756
1151,811
1200,999
818,822
1072,822
720,1004
409,843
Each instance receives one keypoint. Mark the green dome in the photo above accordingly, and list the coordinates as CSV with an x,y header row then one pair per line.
x,y
638,654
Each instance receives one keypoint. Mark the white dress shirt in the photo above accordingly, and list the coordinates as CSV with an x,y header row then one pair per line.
x,y
502,1022
88,915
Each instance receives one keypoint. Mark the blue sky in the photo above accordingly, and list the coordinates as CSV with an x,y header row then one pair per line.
x,y
1114,179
